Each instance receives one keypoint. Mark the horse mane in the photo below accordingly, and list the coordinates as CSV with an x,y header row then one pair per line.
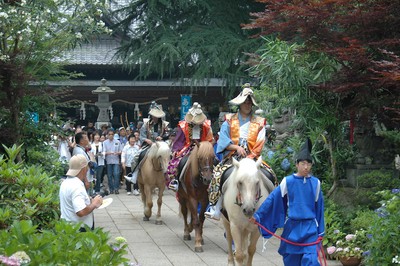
x,y
159,149
205,150
247,168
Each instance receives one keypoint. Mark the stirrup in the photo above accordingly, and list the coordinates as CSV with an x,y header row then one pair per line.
x,y
173,185
128,177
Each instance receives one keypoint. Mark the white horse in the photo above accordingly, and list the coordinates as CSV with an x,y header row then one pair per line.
x,y
243,193
151,175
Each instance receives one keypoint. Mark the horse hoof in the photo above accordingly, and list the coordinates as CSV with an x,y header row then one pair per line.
x,y
187,237
145,218
158,222
198,249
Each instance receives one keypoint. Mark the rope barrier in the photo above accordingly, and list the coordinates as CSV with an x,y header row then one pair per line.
x,y
320,250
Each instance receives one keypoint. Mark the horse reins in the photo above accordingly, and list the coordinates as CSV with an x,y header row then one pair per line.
x,y
318,243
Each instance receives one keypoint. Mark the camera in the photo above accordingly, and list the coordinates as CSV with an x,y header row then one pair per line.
x,y
92,165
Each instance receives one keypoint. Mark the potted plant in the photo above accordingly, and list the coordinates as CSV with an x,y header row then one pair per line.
x,y
350,249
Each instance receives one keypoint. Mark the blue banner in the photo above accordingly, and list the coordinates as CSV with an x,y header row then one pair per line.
x,y
186,103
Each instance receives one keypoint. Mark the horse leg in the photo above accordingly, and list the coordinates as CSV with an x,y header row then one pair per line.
x,y
229,241
193,203
201,216
148,204
159,202
240,254
252,247
184,211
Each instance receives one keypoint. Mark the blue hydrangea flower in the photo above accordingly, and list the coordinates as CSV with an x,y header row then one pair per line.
x,y
285,165
289,150
270,154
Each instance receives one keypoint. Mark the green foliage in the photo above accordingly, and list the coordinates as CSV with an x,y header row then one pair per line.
x,y
187,39
287,75
393,136
385,234
62,245
27,192
333,224
34,38
275,158
37,155
372,182
362,220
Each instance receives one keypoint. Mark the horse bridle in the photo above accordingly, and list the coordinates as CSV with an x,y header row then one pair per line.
x,y
239,202
205,168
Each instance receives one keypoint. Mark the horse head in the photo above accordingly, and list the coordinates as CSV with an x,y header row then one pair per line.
x,y
205,157
246,177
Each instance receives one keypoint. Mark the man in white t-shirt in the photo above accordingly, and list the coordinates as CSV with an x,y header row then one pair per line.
x,y
75,203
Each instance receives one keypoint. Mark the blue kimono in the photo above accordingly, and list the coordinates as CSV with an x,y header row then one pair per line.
x,y
297,205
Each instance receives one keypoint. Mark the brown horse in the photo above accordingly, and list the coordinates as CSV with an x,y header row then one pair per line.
x,y
151,175
195,178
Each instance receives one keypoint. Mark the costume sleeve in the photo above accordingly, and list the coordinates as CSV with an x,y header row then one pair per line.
x,y
320,214
210,135
179,141
271,213
259,145
143,133
224,139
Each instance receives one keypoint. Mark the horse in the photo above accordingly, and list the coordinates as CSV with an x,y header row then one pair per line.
x,y
195,179
243,193
151,175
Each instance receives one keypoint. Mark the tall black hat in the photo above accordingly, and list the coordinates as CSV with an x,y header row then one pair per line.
x,y
305,152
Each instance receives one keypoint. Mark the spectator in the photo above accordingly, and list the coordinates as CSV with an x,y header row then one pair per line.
x,y
112,149
128,154
98,152
82,143
75,204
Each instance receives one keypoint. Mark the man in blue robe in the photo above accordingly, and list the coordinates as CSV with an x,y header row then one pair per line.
x,y
297,205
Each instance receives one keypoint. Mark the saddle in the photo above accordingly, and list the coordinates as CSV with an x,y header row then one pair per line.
x,y
265,169
181,166
142,155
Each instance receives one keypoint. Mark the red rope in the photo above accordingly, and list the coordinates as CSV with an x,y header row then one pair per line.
x,y
320,250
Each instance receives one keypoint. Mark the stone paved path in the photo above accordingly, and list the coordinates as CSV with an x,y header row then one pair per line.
x,y
163,245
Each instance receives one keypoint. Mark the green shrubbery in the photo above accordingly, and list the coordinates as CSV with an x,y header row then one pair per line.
x,y
27,192
384,232
372,182
62,245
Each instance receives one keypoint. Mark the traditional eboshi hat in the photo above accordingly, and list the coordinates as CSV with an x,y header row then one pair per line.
x,y
156,110
246,92
305,152
195,115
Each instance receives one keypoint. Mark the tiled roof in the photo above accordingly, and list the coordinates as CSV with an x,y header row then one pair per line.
x,y
99,52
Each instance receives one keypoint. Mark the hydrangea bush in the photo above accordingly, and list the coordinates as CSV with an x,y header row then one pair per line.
x,y
383,247
351,246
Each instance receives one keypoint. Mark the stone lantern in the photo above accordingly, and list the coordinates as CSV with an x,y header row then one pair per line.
x,y
104,104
